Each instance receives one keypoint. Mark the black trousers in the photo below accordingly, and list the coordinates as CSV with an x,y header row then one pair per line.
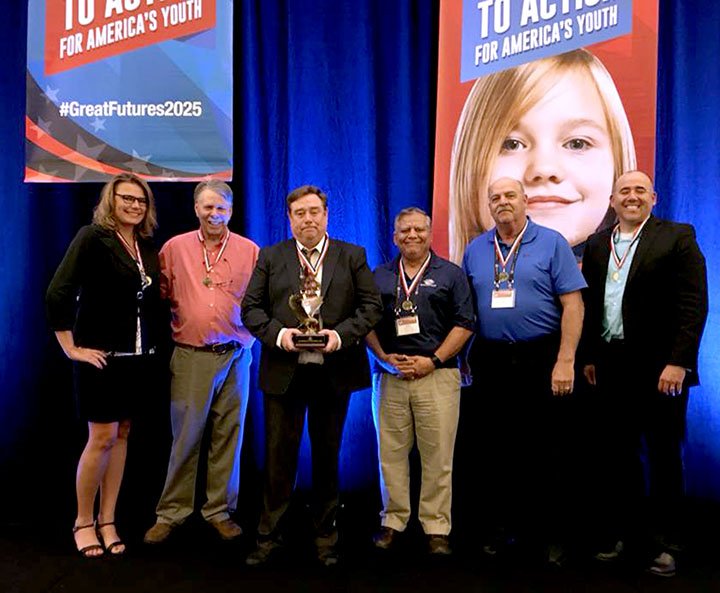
x,y
639,434
521,439
326,410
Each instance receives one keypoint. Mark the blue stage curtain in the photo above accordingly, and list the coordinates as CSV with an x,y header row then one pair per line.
x,y
339,95
688,187
342,95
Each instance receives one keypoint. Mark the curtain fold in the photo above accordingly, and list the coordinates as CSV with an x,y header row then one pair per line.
x,y
342,95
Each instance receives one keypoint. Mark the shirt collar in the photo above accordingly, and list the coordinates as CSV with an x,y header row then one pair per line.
x,y
432,264
319,246
530,233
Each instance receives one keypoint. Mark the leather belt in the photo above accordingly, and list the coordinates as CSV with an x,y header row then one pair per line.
x,y
214,348
124,354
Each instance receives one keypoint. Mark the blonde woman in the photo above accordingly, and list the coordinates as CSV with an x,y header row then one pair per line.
x,y
556,124
103,304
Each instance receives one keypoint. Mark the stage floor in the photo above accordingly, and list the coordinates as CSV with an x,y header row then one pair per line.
x,y
194,559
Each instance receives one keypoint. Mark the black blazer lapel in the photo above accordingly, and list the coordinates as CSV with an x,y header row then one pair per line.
x,y
603,261
642,252
331,260
113,243
291,261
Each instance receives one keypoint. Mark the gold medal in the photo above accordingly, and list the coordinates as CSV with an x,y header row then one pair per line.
x,y
407,305
207,281
616,276
503,276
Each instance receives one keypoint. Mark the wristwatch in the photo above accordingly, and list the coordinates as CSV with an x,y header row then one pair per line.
x,y
436,361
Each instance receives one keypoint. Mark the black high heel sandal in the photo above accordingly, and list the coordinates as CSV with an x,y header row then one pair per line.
x,y
109,547
85,552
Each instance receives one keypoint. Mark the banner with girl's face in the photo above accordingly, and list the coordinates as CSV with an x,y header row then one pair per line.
x,y
559,94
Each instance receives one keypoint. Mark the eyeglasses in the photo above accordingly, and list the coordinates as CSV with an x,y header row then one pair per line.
x,y
128,200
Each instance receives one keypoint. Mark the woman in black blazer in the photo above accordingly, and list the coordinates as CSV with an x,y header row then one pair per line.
x,y
104,305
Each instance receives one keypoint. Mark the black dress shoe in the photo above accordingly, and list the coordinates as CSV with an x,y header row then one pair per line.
x,y
502,543
264,551
663,566
611,554
555,555
327,556
385,538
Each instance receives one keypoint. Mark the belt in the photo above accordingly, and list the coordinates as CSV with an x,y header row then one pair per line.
x,y
122,354
214,348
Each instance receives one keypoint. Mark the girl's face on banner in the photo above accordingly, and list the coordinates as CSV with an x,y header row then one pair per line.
x,y
561,151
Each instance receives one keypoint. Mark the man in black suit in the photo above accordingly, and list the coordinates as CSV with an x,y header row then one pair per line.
x,y
645,309
317,380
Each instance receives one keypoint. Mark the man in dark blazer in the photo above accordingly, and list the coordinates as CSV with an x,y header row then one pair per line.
x,y
645,310
318,380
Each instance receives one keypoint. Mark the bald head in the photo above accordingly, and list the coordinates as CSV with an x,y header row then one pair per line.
x,y
504,183
508,204
633,177
633,199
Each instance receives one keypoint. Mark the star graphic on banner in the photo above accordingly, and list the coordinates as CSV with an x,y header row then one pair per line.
x,y
90,151
138,164
45,171
98,124
79,172
51,94
43,127
84,148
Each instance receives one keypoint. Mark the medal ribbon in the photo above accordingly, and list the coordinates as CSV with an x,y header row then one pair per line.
x,y
310,269
413,286
503,261
137,258
206,258
620,261
402,283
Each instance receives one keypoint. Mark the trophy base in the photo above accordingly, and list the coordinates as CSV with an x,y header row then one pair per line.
x,y
310,341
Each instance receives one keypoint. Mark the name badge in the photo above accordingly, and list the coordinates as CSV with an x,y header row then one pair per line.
x,y
503,299
407,326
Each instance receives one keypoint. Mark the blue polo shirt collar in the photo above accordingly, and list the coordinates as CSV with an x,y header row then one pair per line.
x,y
530,233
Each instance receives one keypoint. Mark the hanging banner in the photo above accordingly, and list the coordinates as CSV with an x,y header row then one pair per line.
x,y
141,86
559,94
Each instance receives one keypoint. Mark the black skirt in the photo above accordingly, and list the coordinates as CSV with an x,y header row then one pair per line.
x,y
115,392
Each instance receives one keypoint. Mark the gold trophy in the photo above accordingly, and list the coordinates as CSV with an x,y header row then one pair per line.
x,y
306,307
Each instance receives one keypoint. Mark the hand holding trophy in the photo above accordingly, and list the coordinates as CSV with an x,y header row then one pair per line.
x,y
306,304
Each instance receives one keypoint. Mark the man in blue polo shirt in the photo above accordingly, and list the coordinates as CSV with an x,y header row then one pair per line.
x,y
526,286
427,318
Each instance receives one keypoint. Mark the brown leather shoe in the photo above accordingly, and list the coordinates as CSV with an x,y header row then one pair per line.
x,y
227,529
158,533
439,544
385,538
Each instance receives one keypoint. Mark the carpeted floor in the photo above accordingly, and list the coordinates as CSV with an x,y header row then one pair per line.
x,y
194,559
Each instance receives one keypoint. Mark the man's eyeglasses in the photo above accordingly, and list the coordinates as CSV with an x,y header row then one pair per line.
x,y
128,200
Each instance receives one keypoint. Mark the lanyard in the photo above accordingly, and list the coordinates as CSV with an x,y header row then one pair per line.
x,y
407,304
134,252
500,266
310,269
206,256
615,237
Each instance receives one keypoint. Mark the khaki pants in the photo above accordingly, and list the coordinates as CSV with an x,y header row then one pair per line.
x,y
206,387
427,409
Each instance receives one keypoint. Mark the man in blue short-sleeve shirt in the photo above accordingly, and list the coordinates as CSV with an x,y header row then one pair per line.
x,y
526,287
427,318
